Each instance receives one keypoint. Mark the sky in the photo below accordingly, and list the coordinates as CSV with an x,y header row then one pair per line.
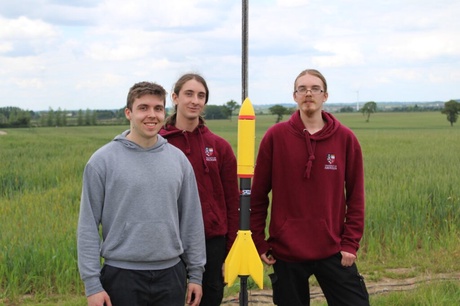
x,y
86,54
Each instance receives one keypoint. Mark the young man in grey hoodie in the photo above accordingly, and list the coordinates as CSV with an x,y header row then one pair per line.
x,y
141,193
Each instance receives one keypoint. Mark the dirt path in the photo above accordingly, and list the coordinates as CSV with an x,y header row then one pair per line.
x,y
385,285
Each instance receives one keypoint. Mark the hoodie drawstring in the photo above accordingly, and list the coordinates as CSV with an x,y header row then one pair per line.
x,y
311,153
203,157
187,147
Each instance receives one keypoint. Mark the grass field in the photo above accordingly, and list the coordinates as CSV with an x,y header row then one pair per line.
x,y
412,192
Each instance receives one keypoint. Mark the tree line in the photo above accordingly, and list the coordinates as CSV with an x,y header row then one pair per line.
x,y
12,117
451,110
16,117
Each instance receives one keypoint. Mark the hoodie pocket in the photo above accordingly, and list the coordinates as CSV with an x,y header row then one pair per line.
x,y
144,241
304,239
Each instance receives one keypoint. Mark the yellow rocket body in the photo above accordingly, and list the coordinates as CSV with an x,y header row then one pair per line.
x,y
246,140
243,258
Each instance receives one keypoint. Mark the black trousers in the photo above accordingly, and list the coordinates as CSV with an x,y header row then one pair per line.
x,y
213,281
341,285
145,288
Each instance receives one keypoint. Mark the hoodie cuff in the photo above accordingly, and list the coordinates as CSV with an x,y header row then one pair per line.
x,y
92,286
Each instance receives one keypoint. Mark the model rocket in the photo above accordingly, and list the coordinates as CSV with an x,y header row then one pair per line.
x,y
243,259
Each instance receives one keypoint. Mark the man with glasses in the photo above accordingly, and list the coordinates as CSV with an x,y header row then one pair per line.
x,y
313,167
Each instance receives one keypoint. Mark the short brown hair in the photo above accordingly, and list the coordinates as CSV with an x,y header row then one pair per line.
x,y
313,72
144,88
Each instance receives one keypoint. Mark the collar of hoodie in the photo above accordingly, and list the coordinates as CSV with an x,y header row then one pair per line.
x,y
330,127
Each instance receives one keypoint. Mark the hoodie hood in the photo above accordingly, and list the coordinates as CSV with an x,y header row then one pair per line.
x,y
330,127
171,133
134,146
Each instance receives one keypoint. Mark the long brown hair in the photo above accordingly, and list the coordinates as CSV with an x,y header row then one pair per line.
x,y
171,120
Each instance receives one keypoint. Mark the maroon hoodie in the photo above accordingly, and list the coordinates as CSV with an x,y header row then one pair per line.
x,y
317,186
215,167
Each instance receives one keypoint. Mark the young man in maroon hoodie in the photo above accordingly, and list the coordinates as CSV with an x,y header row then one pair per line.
x,y
215,167
313,167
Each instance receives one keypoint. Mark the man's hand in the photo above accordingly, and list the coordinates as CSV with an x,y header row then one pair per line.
x,y
194,294
99,299
268,258
347,259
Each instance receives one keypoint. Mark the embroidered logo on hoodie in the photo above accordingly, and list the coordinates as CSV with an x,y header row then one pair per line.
x,y
209,154
331,160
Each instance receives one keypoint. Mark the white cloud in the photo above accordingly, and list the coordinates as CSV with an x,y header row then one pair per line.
x,y
24,28
24,36
422,46
342,54
28,83
5,47
102,81
88,53
102,52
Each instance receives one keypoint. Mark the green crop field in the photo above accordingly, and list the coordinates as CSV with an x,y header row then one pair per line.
x,y
412,165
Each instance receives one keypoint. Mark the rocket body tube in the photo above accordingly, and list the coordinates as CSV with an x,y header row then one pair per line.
x,y
243,259
246,140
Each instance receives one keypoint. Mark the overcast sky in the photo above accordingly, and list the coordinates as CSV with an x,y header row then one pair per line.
x,y
79,54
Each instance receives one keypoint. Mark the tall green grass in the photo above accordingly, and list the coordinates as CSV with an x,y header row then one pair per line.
x,y
40,175
412,192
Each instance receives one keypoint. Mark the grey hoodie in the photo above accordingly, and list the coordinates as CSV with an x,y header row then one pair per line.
x,y
148,205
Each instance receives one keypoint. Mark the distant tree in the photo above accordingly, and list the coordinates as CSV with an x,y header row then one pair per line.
x,y
451,109
50,117
14,117
58,117
120,115
230,107
88,117
94,118
291,110
215,112
347,109
3,120
80,118
42,119
64,118
368,109
278,110
34,115
23,119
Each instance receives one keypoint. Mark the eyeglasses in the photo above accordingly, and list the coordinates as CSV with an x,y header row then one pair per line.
x,y
314,91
